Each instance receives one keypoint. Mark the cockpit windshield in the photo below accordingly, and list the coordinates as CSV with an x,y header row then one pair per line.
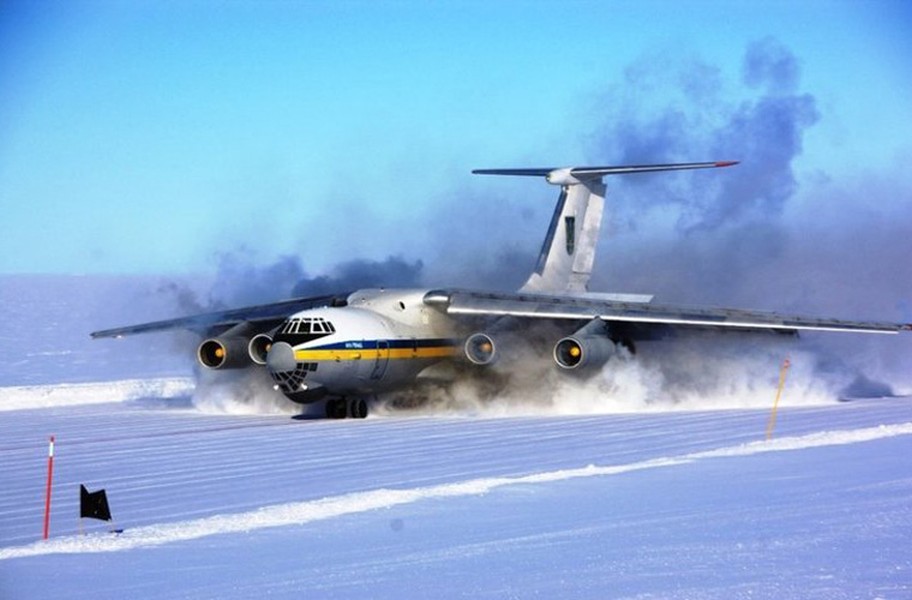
x,y
307,326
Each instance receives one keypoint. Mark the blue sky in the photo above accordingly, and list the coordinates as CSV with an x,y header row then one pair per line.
x,y
153,137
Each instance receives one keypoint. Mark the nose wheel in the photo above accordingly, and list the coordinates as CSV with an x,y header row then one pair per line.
x,y
340,408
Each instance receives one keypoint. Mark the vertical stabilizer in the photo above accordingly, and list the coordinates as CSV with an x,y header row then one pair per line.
x,y
568,252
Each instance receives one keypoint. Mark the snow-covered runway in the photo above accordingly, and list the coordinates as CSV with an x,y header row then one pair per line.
x,y
674,504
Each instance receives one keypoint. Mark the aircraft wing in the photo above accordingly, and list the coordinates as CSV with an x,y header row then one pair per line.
x,y
541,306
263,314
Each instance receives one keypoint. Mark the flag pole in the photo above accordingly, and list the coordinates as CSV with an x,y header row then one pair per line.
x,y
47,497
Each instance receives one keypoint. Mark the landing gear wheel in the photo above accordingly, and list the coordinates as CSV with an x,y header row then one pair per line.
x,y
358,408
335,409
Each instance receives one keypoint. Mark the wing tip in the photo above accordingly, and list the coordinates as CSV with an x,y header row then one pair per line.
x,y
533,172
727,163
100,335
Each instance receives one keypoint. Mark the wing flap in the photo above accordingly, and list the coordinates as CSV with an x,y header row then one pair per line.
x,y
462,302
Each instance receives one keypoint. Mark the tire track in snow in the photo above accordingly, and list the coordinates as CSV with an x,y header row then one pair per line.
x,y
300,513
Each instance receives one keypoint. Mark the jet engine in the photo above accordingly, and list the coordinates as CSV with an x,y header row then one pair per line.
x,y
234,349
591,346
480,349
259,347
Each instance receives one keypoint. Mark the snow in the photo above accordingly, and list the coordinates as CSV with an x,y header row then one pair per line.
x,y
45,396
326,508
682,504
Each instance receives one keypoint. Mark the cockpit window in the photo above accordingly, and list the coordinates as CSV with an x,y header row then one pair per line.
x,y
307,326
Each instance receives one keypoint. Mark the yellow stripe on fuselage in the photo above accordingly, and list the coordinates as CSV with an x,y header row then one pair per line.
x,y
305,355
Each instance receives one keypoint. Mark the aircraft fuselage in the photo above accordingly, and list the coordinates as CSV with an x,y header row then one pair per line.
x,y
379,341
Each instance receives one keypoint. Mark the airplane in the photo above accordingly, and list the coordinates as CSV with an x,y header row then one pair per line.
x,y
346,348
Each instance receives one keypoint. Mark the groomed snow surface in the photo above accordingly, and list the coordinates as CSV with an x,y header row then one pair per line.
x,y
659,504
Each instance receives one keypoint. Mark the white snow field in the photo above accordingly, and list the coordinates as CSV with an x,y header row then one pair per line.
x,y
683,504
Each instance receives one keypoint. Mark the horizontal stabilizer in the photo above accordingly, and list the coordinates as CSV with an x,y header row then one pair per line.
x,y
574,175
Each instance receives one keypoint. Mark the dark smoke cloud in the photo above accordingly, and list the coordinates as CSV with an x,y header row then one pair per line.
x,y
768,133
696,231
769,64
360,273
702,123
241,281
486,232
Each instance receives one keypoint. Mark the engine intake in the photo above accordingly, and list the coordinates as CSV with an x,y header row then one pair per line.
x,y
224,353
589,347
259,347
480,349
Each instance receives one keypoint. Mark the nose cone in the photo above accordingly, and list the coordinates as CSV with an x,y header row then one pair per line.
x,y
281,358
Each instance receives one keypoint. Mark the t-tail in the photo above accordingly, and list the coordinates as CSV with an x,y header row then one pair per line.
x,y
568,252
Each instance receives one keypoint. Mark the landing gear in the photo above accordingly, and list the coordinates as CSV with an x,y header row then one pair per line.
x,y
358,408
339,408
335,408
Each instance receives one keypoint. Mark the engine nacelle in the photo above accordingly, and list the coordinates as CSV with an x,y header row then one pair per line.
x,y
480,349
589,347
224,353
259,347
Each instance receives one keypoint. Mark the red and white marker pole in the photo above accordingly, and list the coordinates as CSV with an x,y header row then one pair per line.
x,y
47,500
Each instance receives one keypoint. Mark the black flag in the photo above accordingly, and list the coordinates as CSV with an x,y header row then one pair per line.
x,y
93,505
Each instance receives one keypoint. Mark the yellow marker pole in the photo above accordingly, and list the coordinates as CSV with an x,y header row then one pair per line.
x,y
772,420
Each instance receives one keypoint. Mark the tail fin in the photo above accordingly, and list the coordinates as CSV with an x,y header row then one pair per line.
x,y
568,253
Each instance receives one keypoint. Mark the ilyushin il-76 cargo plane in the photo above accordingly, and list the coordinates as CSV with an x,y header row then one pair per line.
x,y
346,348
